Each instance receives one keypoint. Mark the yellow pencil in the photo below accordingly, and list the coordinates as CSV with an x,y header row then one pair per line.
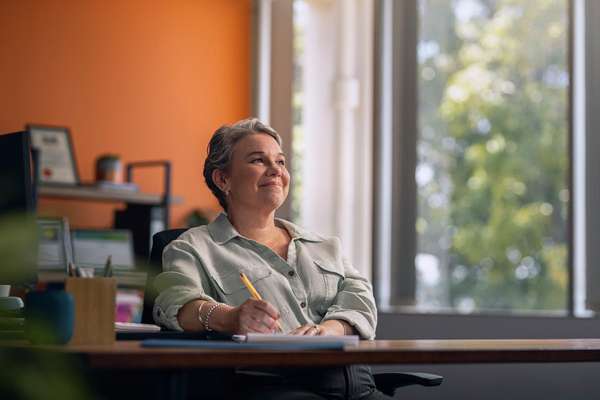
x,y
255,295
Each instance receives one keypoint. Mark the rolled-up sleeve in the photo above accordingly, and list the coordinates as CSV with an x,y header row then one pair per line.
x,y
355,303
183,279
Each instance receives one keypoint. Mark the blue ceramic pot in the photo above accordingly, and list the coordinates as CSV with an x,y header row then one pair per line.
x,y
49,317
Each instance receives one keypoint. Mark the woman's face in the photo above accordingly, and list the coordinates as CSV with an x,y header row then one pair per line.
x,y
257,177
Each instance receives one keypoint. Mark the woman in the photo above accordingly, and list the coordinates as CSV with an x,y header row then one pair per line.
x,y
307,287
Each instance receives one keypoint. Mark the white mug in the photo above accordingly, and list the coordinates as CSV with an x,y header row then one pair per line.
x,y
4,290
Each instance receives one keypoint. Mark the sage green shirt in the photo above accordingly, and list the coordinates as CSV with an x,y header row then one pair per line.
x,y
313,285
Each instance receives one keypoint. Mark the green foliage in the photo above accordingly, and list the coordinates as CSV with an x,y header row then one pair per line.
x,y
30,375
27,373
17,234
501,105
196,217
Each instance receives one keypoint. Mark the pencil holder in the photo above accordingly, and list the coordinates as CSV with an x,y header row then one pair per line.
x,y
94,300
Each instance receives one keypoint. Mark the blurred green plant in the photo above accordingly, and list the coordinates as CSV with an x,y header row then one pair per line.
x,y
18,249
196,217
27,373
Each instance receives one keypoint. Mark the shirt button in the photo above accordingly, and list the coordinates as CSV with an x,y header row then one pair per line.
x,y
303,304
291,273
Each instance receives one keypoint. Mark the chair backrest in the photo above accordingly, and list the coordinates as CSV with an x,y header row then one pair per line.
x,y
159,241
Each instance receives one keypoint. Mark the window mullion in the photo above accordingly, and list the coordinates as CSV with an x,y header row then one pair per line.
x,y
592,146
396,131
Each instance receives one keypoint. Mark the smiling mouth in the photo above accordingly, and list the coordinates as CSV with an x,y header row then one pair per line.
x,y
270,184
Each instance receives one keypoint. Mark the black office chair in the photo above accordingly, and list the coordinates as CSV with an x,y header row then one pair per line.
x,y
386,382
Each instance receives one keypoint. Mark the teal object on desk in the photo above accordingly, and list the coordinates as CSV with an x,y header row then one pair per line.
x,y
227,345
49,317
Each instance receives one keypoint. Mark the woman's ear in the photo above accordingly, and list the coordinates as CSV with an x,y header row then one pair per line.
x,y
221,179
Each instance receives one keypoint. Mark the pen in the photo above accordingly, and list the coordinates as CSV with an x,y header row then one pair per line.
x,y
71,268
255,295
108,267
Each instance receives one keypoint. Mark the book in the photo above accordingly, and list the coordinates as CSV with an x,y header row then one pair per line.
x,y
125,186
347,340
135,327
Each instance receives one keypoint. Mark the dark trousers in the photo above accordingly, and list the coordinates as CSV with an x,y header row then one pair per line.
x,y
353,382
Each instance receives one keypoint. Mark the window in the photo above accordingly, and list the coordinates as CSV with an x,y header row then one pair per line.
x,y
332,123
460,86
492,155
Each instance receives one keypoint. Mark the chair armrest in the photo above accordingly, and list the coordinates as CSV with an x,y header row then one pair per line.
x,y
385,382
388,382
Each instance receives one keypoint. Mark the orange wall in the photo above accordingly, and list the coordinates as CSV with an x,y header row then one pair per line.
x,y
142,79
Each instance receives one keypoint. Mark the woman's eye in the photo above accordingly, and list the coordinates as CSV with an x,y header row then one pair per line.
x,y
281,162
256,161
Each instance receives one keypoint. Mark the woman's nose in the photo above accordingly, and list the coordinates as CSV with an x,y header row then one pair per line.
x,y
274,169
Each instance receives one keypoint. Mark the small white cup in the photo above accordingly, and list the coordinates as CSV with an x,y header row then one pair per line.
x,y
4,290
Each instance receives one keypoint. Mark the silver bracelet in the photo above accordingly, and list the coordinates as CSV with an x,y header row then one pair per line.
x,y
200,313
208,314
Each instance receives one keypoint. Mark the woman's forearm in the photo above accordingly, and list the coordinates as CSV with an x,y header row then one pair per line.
x,y
221,317
339,327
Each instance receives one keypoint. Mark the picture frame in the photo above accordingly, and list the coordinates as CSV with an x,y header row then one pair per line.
x,y
57,165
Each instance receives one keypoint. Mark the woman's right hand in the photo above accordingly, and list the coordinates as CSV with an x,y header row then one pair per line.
x,y
254,316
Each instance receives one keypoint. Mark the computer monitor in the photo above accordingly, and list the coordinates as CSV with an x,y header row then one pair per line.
x,y
91,248
17,200
16,174
54,245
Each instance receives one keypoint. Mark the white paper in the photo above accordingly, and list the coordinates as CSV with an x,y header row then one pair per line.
x,y
348,340
135,327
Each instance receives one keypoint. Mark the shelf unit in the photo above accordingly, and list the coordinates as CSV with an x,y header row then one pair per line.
x,y
144,215
93,193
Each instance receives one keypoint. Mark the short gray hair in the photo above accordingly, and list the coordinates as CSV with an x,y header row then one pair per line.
x,y
221,146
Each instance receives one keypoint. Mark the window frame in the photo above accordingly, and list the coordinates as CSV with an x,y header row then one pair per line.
x,y
395,155
590,103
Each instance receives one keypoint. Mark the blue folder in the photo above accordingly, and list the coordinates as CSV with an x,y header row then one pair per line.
x,y
227,345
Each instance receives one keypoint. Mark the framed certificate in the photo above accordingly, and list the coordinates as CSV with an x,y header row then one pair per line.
x,y
56,158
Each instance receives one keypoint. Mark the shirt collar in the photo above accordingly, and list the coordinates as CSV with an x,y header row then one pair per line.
x,y
222,231
297,232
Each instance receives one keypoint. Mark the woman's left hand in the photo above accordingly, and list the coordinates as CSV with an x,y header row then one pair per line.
x,y
327,328
310,330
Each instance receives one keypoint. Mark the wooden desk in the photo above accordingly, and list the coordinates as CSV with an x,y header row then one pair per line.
x,y
172,373
130,355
